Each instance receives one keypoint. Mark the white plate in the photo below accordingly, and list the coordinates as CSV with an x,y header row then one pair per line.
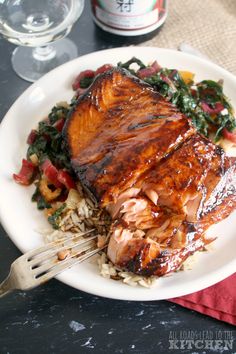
x,y
21,219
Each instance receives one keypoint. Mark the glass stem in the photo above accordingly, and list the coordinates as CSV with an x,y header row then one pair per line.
x,y
46,52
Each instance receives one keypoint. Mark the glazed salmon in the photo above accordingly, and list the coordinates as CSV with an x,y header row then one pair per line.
x,y
194,187
178,182
117,130
141,159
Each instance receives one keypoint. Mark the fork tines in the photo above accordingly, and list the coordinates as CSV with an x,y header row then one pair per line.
x,y
53,258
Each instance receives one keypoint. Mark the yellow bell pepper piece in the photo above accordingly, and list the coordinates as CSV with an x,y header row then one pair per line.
x,y
46,192
187,76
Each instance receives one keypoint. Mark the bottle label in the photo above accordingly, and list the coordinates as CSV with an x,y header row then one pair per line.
x,y
129,14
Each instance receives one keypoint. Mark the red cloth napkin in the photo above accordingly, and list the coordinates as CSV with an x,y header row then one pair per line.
x,y
218,301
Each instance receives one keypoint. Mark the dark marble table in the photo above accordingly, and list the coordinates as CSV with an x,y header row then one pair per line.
x,y
58,319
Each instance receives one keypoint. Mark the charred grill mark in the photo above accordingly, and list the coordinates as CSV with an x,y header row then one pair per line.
x,y
135,265
168,260
151,120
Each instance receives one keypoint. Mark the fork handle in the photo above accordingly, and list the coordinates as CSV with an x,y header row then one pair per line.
x,y
5,287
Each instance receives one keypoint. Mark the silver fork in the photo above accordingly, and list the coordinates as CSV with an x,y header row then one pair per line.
x,y
42,264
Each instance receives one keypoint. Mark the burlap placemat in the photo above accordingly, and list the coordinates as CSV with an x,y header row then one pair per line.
x,y
208,25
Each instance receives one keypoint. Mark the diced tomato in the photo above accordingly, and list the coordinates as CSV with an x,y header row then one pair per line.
x,y
59,124
63,196
66,179
172,74
146,72
229,135
166,79
32,136
149,71
103,69
57,177
193,92
156,66
51,172
26,174
218,108
82,75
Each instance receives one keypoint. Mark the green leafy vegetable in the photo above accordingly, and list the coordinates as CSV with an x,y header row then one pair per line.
x,y
128,63
86,82
41,202
169,83
54,219
57,113
49,142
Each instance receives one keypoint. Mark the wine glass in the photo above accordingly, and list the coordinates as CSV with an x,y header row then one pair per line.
x,y
38,27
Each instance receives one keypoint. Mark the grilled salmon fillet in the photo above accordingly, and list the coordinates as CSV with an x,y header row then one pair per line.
x,y
140,158
117,130
178,182
183,195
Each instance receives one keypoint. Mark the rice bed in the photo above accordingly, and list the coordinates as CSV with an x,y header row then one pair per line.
x,y
80,215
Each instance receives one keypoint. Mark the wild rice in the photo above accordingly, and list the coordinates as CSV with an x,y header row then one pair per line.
x,y
80,215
